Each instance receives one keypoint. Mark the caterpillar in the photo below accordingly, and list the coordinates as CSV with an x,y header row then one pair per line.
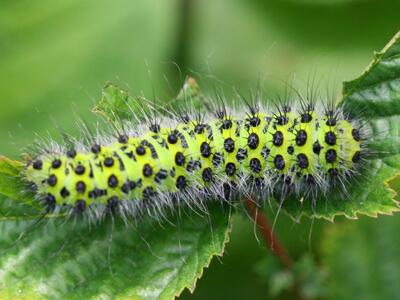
x,y
305,150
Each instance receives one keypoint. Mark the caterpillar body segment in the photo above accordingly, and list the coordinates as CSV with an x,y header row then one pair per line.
x,y
288,150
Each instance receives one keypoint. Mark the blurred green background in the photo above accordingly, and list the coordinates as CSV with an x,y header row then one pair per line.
x,y
55,56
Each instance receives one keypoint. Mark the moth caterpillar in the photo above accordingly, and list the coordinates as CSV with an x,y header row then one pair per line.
x,y
287,150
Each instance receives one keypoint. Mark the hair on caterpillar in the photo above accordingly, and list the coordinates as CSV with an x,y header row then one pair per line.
x,y
165,158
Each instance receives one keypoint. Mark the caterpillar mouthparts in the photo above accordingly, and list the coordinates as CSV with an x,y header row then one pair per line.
x,y
219,156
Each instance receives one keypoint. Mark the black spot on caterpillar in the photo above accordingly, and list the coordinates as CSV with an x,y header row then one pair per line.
x,y
302,151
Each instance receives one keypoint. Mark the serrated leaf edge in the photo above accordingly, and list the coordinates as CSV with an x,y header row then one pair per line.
x,y
377,59
358,213
207,265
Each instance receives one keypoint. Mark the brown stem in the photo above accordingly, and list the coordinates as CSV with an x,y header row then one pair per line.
x,y
270,238
272,241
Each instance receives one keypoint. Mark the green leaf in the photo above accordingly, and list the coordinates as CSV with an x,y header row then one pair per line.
x,y
189,95
15,202
114,104
376,93
385,138
11,209
363,259
278,278
370,195
71,259
9,182
306,278
376,90
311,278
12,187
61,258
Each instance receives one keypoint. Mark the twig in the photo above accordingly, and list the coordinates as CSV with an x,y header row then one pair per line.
x,y
270,238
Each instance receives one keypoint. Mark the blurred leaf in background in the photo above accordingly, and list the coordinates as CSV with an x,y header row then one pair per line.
x,y
363,259
56,56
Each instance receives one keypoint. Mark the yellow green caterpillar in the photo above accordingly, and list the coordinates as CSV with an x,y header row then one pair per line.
x,y
284,151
